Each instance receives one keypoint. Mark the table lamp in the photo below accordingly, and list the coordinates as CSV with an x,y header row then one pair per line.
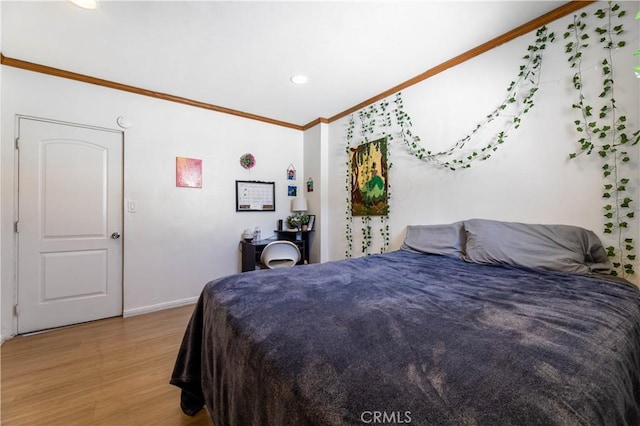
x,y
299,205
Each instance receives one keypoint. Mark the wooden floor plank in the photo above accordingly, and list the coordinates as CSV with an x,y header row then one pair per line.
x,y
110,372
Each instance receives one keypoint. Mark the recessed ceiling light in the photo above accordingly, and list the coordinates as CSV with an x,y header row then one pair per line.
x,y
86,4
299,79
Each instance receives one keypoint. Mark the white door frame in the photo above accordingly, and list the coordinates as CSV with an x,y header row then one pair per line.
x,y
16,204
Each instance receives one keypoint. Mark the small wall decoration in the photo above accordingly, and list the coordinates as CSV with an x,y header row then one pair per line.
x,y
188,172
309,185
248,160
368,175
291,172
292,191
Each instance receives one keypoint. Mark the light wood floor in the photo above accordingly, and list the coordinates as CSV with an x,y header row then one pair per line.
x,y
111,372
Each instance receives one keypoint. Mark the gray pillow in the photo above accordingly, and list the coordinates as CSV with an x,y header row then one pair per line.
x,y
448,240
562,248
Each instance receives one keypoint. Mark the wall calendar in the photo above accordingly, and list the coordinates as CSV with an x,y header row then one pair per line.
x,y
252,196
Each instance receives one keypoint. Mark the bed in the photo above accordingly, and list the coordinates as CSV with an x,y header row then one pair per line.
x,y
477,322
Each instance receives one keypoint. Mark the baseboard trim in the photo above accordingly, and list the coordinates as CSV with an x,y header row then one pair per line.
x,y
159,307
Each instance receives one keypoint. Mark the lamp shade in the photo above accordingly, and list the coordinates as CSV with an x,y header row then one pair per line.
x,y
86,4
299,204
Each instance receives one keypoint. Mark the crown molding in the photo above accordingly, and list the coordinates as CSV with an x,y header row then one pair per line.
x,y
315,123
532,25
43,69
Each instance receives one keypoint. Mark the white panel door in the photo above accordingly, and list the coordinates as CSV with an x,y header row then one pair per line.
x,y
69,224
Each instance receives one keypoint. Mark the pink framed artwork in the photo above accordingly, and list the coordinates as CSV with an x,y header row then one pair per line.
x,y
188,172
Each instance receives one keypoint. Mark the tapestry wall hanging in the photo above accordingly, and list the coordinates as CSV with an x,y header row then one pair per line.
x,y
368,173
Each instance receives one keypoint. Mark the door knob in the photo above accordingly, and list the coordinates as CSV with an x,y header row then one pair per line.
x,y
115,235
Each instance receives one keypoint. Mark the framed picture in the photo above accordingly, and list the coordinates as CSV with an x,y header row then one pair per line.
x,y
188,172
292,190
255,196
291,172
312,221
368,176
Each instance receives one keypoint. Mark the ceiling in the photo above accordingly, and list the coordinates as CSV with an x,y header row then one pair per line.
x,y
240,55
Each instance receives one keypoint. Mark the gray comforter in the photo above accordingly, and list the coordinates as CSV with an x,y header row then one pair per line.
x,y
408,338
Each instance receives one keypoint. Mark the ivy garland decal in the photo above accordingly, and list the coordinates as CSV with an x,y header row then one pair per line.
x,y
368,128
349,222
608,130
606,133
637,67
377,119
519,101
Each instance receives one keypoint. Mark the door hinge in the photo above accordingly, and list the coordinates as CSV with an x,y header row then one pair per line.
x,y
18,143
15,227
16,310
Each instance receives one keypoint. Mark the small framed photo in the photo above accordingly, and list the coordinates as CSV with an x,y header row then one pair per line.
x,y
291,172
292,190
312,221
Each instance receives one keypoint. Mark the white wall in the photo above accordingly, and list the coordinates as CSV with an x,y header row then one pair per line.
x,y
530,178
179,238
316,166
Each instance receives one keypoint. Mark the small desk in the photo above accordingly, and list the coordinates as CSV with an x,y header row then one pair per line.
x,y
252,250
306,237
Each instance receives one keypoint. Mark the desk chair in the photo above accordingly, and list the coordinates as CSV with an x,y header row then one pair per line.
x,y
280,254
